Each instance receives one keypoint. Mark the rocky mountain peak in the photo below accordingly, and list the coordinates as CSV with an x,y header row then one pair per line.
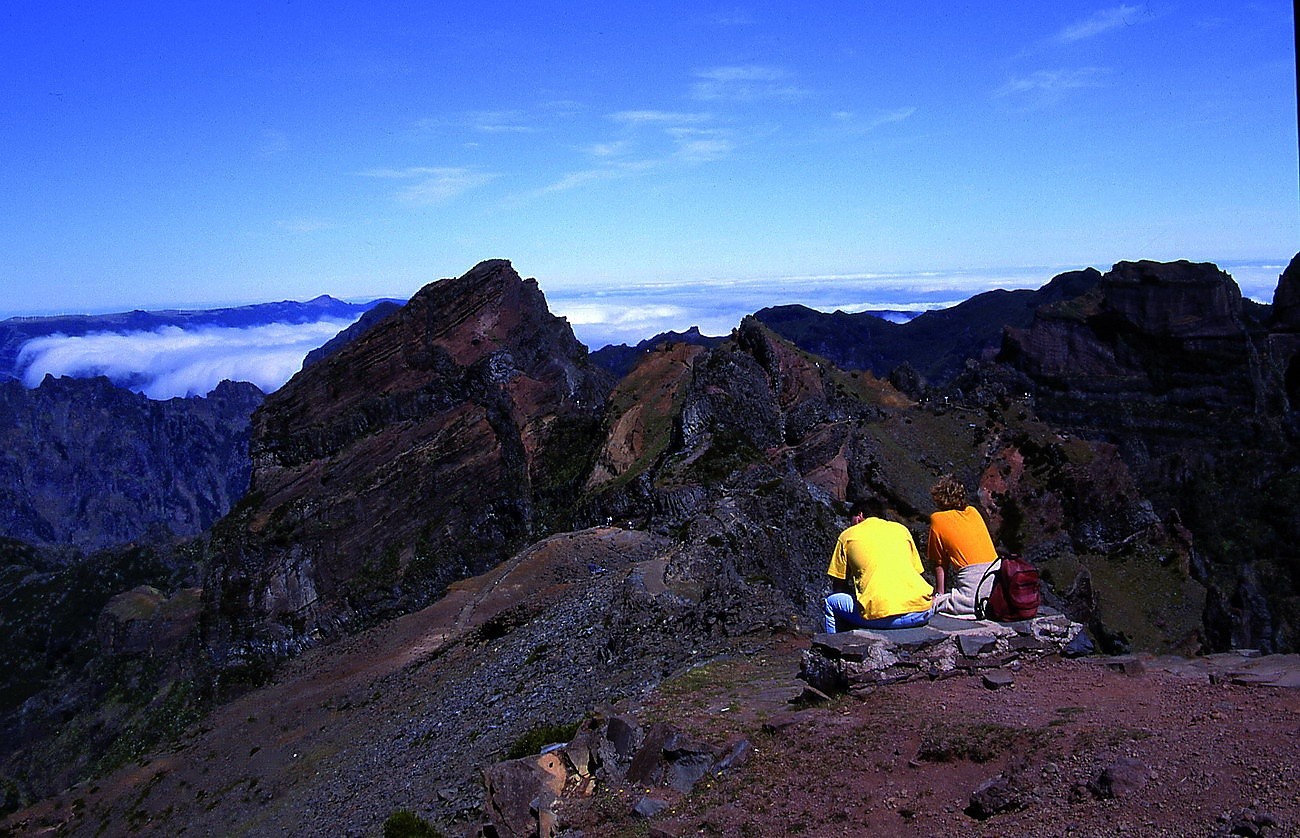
x,y
424,450
1176,299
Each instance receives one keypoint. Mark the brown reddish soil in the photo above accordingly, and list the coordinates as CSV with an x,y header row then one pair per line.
x,y
905,759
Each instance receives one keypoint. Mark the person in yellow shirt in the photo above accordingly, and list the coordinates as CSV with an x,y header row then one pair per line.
x,y
961,549
876,575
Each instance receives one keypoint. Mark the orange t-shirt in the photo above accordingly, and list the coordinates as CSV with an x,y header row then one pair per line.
x,y
958,537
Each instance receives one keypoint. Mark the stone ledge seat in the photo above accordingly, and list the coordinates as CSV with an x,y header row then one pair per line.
x,y
862,659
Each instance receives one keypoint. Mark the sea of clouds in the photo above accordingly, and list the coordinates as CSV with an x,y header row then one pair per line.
x,y
173,361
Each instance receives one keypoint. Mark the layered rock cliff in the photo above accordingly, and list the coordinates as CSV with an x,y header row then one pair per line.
x,y
426,450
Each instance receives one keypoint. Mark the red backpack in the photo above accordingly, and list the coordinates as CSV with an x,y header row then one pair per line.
x,y
1014,595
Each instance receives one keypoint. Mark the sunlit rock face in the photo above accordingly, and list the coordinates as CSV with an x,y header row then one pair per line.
x,y
426,449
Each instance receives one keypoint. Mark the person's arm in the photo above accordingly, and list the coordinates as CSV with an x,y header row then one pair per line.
x,y
916,560
934,552
838,570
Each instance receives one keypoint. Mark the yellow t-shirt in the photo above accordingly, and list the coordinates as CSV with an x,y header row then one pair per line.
x,y
879,557
958,537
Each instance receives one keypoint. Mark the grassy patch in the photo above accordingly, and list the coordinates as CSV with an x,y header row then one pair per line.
x,y
406,824
976,743
539,737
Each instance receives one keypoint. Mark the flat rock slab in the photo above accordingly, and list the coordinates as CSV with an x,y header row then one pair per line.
x,y
865,659
997,679
972,645
1245,667
854,645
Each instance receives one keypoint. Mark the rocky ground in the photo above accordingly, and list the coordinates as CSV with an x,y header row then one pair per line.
x,y
1071,748
1097,746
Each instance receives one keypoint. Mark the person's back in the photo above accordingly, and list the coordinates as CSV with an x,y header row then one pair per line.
x,y
959,538
885,568
877,576
960,547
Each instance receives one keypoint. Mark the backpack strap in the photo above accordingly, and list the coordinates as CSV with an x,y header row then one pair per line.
x,y
982,603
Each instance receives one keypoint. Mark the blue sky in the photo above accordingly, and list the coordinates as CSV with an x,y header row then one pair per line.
x,y
190,154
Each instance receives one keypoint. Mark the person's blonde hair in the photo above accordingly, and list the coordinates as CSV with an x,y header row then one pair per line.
x,y
948,493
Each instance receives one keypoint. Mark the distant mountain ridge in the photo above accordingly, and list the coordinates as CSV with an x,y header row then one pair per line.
x,y
620,358
936,343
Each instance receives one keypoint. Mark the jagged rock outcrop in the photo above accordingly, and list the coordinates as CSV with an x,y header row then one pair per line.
x,y
428,449
89,464
525,797
1283,341
1286,299
1193,386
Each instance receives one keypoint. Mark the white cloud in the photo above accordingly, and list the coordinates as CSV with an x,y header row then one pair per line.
x,y
1100,23
700,146
591,314
745,83
499,122
889,117
172,361
615,148
601,324
433,184
647,139
692,140
1052,84
854,123
611,171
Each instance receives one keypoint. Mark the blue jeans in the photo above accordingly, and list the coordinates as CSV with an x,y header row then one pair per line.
x,y
841,614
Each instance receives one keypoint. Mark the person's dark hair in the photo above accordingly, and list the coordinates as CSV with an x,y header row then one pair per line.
x,y
948,493
868,507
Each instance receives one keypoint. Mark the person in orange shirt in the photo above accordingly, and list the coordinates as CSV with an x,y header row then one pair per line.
x,y
876,575
960,548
